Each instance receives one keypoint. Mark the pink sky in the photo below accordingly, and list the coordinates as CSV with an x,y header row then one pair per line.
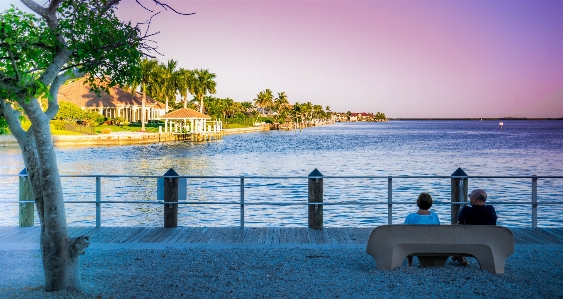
x,y
405,58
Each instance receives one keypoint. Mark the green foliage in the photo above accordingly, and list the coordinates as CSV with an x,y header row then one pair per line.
x,y
69,112
90,29
58,124
23,39
3,125
98,43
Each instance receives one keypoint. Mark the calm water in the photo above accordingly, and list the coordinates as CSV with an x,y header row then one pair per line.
x,y
395,148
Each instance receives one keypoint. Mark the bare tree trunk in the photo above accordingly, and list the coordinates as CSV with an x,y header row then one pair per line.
x,y
60,253
143,108
201,104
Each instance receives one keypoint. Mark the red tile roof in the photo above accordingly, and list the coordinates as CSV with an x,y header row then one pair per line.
x,y
78,93
185,113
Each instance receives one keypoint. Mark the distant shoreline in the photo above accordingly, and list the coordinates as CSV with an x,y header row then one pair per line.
x,y
484,118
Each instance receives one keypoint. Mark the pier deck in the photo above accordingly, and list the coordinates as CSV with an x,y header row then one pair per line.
x,y
14,238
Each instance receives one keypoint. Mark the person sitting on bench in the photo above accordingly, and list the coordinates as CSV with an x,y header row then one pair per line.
x,y
477,214
423,216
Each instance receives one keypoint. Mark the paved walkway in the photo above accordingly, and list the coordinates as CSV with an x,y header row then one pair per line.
x,y
16,238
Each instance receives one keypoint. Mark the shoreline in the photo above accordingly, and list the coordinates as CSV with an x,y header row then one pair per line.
x,y
118,138
478,118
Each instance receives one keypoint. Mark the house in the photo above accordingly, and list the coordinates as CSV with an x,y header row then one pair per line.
x,y
118,103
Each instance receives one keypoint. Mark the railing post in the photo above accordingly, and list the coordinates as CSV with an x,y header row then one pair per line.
x,y
315,196
241,202
459,193
171,195
98,204
389,200
534,201
26,193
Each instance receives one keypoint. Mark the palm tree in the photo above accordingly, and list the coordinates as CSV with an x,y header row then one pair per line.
x,y
185,84
148,77
264,99
169,80
203,83
281,105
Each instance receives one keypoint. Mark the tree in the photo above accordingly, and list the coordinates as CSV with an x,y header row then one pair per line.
x,y
185,84
203,83
38,53
281,105
264,99
149,76
169,78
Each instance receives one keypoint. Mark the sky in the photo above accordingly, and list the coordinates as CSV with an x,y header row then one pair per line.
x,y
405,58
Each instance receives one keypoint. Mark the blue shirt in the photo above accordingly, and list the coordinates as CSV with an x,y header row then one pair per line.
x,y
415,218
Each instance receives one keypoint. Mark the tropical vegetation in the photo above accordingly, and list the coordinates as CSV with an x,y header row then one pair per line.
x,y
39,52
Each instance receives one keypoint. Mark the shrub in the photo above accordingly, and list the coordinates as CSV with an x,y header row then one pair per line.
x,y
106,131
3,125
58,124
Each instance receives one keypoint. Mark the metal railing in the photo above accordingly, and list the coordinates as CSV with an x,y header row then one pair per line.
x,y
390,203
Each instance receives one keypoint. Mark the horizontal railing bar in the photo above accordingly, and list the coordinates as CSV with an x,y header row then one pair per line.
x,y
303,177
290,203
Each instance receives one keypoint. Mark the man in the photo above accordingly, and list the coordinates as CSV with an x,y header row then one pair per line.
x,y
478,213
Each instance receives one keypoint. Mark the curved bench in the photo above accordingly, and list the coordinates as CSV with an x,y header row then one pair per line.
x,y
433,244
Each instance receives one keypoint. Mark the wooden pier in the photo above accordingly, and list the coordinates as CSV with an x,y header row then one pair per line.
x,y
232,236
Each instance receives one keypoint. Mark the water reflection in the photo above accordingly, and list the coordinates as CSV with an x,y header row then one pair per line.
x,y
347,149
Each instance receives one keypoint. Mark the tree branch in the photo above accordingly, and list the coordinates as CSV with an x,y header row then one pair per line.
x,y
40,10
168,6
52,9
14,63
12,117
53,106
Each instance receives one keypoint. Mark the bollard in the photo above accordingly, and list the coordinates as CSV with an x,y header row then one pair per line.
x,y
315,195
170,195
26,193
459,192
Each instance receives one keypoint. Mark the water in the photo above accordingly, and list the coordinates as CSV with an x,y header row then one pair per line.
x,y
418,148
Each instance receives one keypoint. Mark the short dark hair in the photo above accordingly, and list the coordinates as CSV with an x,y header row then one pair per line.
x,y
424,201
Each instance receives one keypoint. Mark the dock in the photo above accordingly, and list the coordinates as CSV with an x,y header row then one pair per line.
x,y
27,238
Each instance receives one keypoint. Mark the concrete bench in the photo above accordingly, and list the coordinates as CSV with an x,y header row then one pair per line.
x,y
433,244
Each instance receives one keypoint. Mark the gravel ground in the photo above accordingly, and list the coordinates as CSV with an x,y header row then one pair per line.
x,y
531,272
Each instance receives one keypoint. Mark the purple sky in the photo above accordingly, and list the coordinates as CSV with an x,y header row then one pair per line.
x,y
404,58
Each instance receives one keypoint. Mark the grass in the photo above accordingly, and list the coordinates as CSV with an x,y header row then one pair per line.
x,y
236,126
98,129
